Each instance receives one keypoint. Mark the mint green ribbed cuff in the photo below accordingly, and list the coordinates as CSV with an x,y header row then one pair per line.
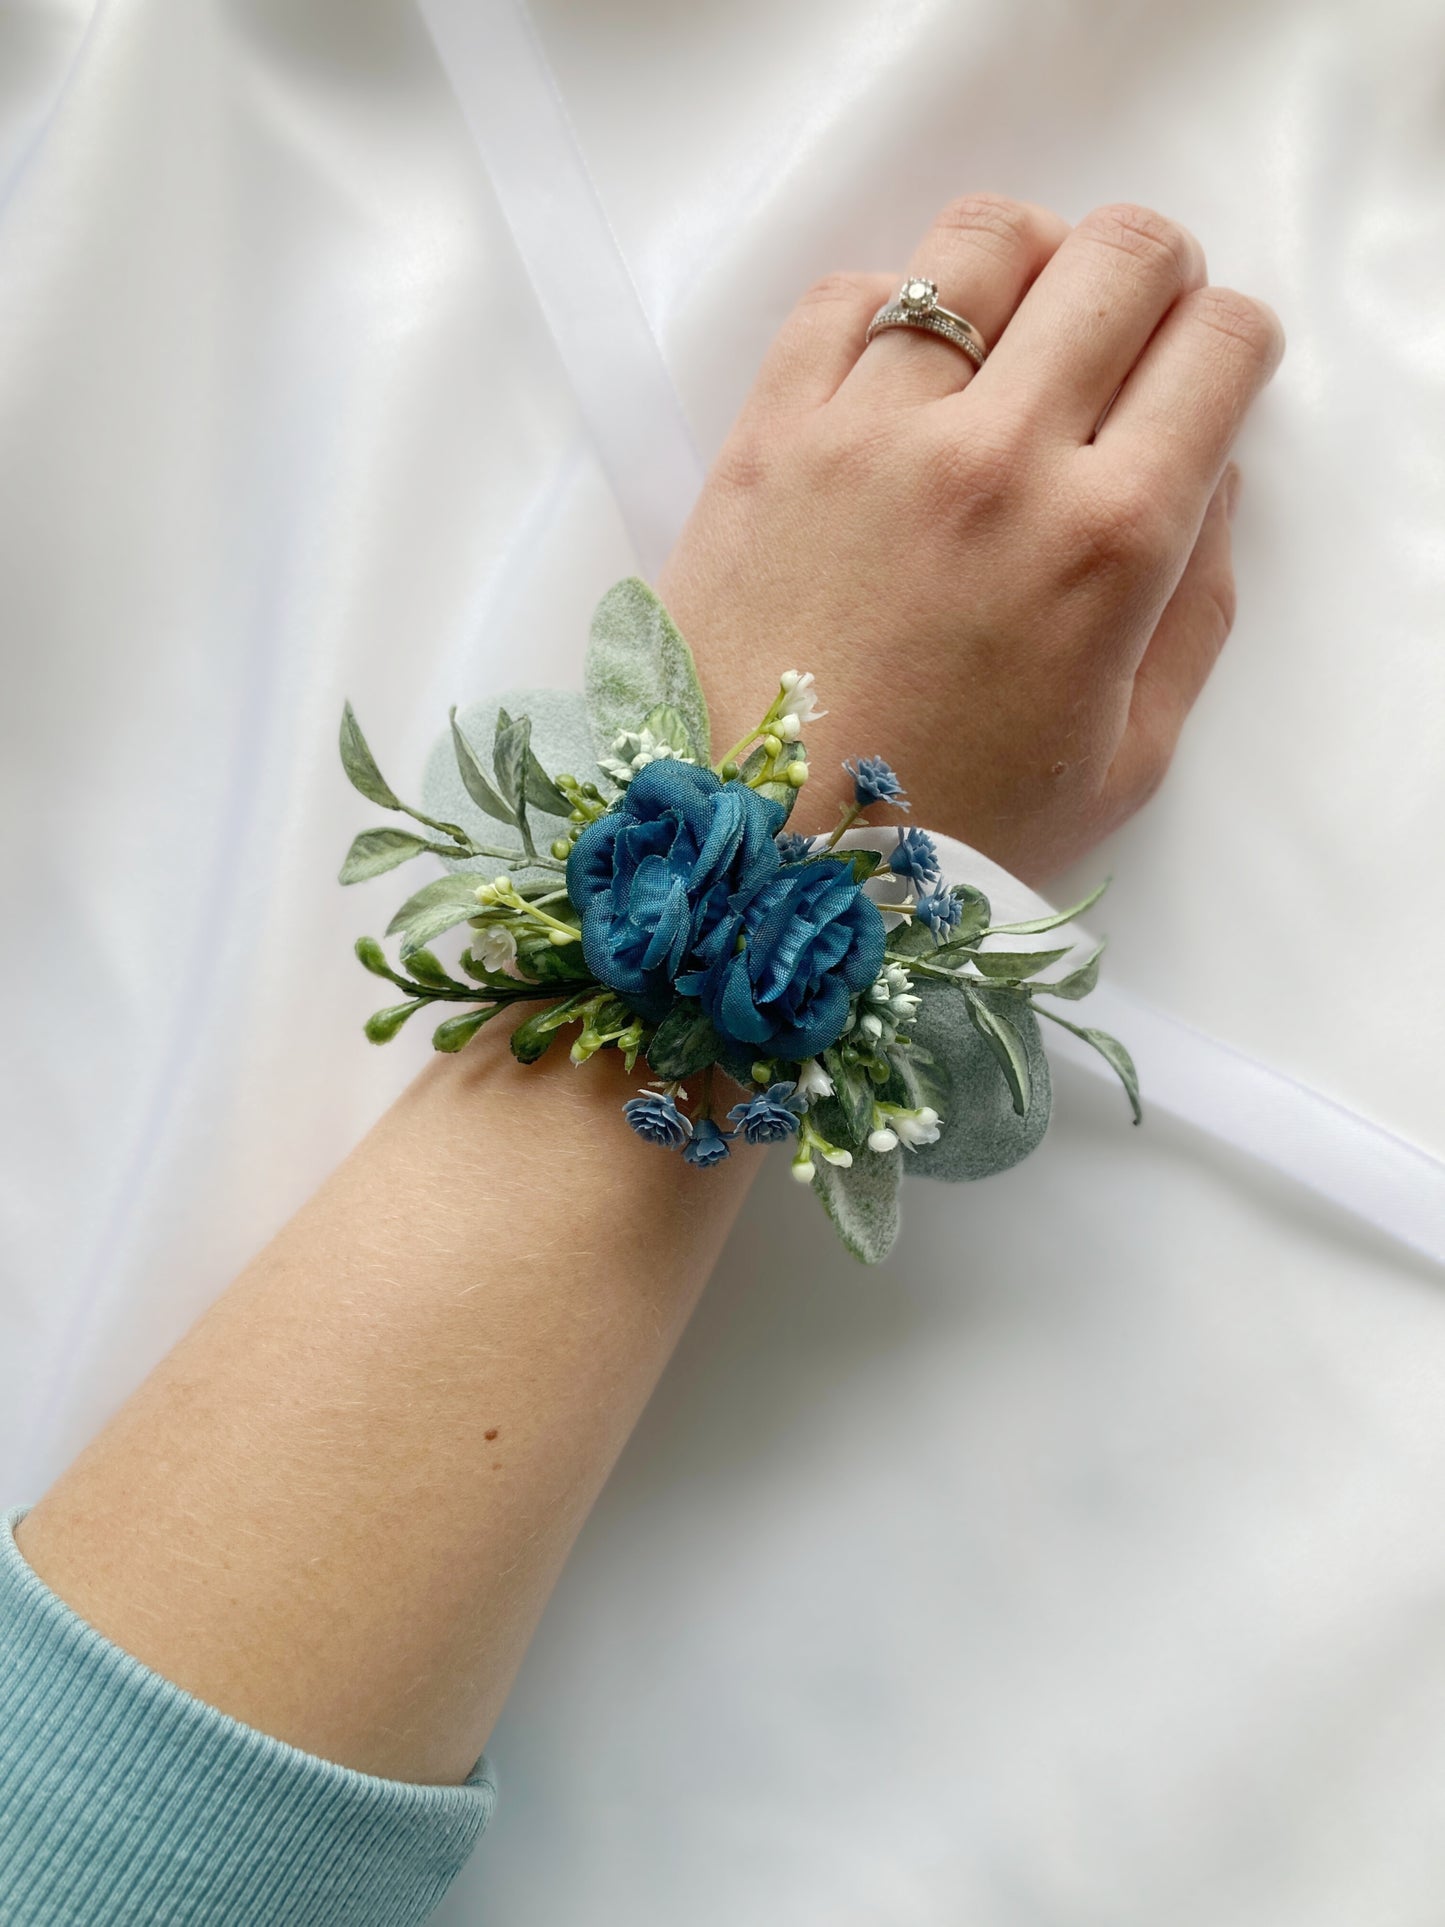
x,y
124,1799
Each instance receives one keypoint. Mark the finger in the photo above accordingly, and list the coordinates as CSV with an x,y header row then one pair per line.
x,y
1088,317
1182,652
818,343
984,252
1178,412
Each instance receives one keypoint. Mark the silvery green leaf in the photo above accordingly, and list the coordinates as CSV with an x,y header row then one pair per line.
x,y
561,739
1078,983
669,726
509,758
475,780
375,851
360,765
1002,1037
862,1201
975,913
1015,965
383,1025
685,1041
636,660
536,786
435,907
954,1069
1053,921
456,1031
1113,1054
853,1098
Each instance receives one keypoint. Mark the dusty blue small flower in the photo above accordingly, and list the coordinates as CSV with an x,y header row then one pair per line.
x,y
875,782
707,1145
771,1116
940,910
656,1117
793,848
916,857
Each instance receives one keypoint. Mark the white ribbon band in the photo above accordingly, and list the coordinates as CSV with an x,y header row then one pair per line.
x,y
501,78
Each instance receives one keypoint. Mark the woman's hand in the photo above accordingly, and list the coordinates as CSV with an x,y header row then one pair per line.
x,y
1009,593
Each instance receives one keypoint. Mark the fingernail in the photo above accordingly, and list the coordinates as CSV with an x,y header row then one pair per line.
x,y
1232,480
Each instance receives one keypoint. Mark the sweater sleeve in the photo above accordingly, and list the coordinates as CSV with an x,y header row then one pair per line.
x,y
124,1799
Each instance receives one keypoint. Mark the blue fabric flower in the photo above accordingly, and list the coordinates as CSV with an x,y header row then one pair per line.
x,y
875,782
916,857
707,1145
940,910
793,848
657,1118
655,875
771,1116
781,968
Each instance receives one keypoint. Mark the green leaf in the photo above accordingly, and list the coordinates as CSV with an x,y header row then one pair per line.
x,y
685,1041
1078,983
475,781
669,725
383,1025
1113,1054
852,1097
1003,1039
636,660
456,1031
1015,965
1052,922
915,939
375,851
864,862
776,791
862,1201
545,962
509,759
427,969
360,765
534,785
435,907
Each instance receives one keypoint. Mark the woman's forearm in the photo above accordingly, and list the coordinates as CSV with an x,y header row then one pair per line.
x,y
337,1508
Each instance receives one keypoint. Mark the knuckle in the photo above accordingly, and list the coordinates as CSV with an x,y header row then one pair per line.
x,y
745,461
980,473
829,290
1219,598
1239,319
1119,527
1002,225
1156,245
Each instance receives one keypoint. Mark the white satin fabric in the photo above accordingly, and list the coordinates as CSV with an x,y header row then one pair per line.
x,y
1081,1566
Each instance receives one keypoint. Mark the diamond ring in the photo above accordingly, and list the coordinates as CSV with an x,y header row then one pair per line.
x,y
916,305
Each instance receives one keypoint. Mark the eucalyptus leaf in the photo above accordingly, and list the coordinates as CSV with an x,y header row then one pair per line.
x,y
374,851
955,1070
685,1041
862,1201
1000,1033
360,765
1016,965
1078,983
457,1031
435,907
475,780
636,660
1113,1054
1054,920
383,1025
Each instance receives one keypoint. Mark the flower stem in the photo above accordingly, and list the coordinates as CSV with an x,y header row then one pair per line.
x,y
850,816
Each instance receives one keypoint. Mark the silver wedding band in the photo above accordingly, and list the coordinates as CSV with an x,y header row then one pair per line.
x,y
916,305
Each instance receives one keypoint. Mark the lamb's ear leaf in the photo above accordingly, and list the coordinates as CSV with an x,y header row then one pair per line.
x,y
862,1200
853,1096
475,779
952,1067
636,660
360,765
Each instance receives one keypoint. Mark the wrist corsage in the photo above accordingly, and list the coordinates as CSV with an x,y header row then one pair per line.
x,y
620,887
